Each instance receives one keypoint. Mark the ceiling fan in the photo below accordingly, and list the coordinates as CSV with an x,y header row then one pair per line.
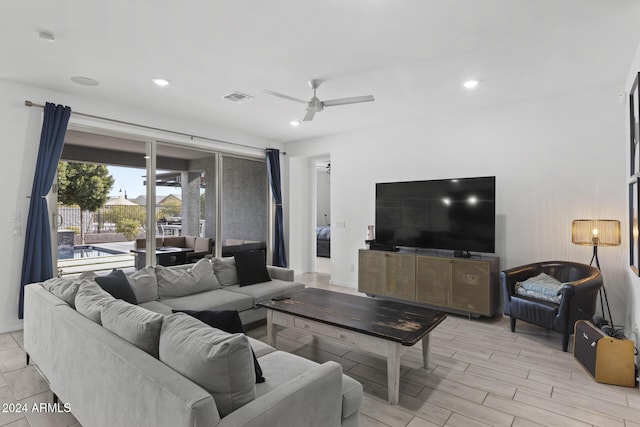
x,y
314,105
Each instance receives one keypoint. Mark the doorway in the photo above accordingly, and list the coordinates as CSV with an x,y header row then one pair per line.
x,y
323,216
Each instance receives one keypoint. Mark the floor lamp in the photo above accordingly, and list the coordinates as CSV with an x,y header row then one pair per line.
x,y
597,232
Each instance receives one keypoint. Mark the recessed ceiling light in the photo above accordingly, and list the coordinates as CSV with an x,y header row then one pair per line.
x,y
84,81
161,82
47,36
470,84
294,123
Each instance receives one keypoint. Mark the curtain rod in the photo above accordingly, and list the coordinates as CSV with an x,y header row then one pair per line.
x,y
33,104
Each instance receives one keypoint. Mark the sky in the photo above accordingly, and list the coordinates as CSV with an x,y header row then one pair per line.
x,y
132,180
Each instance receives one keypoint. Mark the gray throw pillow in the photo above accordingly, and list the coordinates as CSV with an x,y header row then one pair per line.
x,y
174,283
90,299
65,289
137,325
144,284
225,271
219,362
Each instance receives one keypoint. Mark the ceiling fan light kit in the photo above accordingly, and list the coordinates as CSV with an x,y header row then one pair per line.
x,y
314,105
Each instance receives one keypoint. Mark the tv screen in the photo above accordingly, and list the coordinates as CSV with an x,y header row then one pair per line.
x,y
454,214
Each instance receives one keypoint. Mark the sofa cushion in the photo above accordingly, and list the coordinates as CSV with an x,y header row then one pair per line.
x,y
180,282
202,244
251,268
261,292
190,242
134,324
65,289
225,271
260,348
228,321
219,362
174,242
116,284
144,284
90,299
219,299
157,307
542,287
281,367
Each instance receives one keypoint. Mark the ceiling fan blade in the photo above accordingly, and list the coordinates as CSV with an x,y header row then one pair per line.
x,y
283,96
309,116
352,100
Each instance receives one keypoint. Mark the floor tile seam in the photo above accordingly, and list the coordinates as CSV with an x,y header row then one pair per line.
x,y
564,414
481,378
480,375
10,347
493,363
395,407
587,394
608,388
13,370
469,401
613,406
520,366
375,419
563,366
525,416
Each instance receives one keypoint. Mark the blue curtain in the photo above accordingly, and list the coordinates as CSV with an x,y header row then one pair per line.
x,y
36,261
273,166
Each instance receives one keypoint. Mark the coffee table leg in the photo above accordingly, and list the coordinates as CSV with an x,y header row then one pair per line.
x,y
393,372
426,351
271,329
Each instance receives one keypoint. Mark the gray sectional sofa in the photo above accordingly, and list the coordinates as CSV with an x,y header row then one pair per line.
x,y
120,364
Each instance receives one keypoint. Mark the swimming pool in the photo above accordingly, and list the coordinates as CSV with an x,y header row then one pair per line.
x,y
85,251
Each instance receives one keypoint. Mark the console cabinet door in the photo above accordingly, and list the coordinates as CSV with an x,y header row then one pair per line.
x,y
433,280
372,272
401,276
471,286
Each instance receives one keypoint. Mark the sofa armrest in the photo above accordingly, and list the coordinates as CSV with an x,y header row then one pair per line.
x,y
312,399
280,273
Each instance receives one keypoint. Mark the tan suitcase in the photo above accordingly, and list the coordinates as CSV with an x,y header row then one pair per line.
x,y
608,359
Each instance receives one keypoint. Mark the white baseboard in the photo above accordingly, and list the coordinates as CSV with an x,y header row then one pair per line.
x,y
11,327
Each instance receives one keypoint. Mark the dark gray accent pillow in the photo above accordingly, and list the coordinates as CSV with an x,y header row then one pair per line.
x,y
117,284
251,267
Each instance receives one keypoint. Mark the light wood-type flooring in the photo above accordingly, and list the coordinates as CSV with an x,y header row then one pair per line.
x,y
481,374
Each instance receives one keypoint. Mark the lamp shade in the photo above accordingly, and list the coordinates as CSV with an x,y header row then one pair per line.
x,y
595,232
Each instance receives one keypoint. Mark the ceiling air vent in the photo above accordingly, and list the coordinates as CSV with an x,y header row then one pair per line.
x,y
237,97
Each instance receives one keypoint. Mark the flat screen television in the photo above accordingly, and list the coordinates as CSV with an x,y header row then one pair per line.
x,y
454,214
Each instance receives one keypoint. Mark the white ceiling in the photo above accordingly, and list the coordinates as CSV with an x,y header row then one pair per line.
x,y
412,55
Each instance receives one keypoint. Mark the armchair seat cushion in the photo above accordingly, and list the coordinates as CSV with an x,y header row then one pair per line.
x,y
542,287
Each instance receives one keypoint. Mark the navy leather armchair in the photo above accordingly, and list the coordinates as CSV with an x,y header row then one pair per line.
x,y
581,284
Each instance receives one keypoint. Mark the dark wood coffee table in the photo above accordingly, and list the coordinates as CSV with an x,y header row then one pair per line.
x,y
379,326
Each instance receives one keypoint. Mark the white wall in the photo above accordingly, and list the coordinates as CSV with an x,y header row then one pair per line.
x,y
20,140
555,159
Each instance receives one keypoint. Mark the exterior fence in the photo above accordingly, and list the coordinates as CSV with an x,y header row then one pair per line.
x,y
105,220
